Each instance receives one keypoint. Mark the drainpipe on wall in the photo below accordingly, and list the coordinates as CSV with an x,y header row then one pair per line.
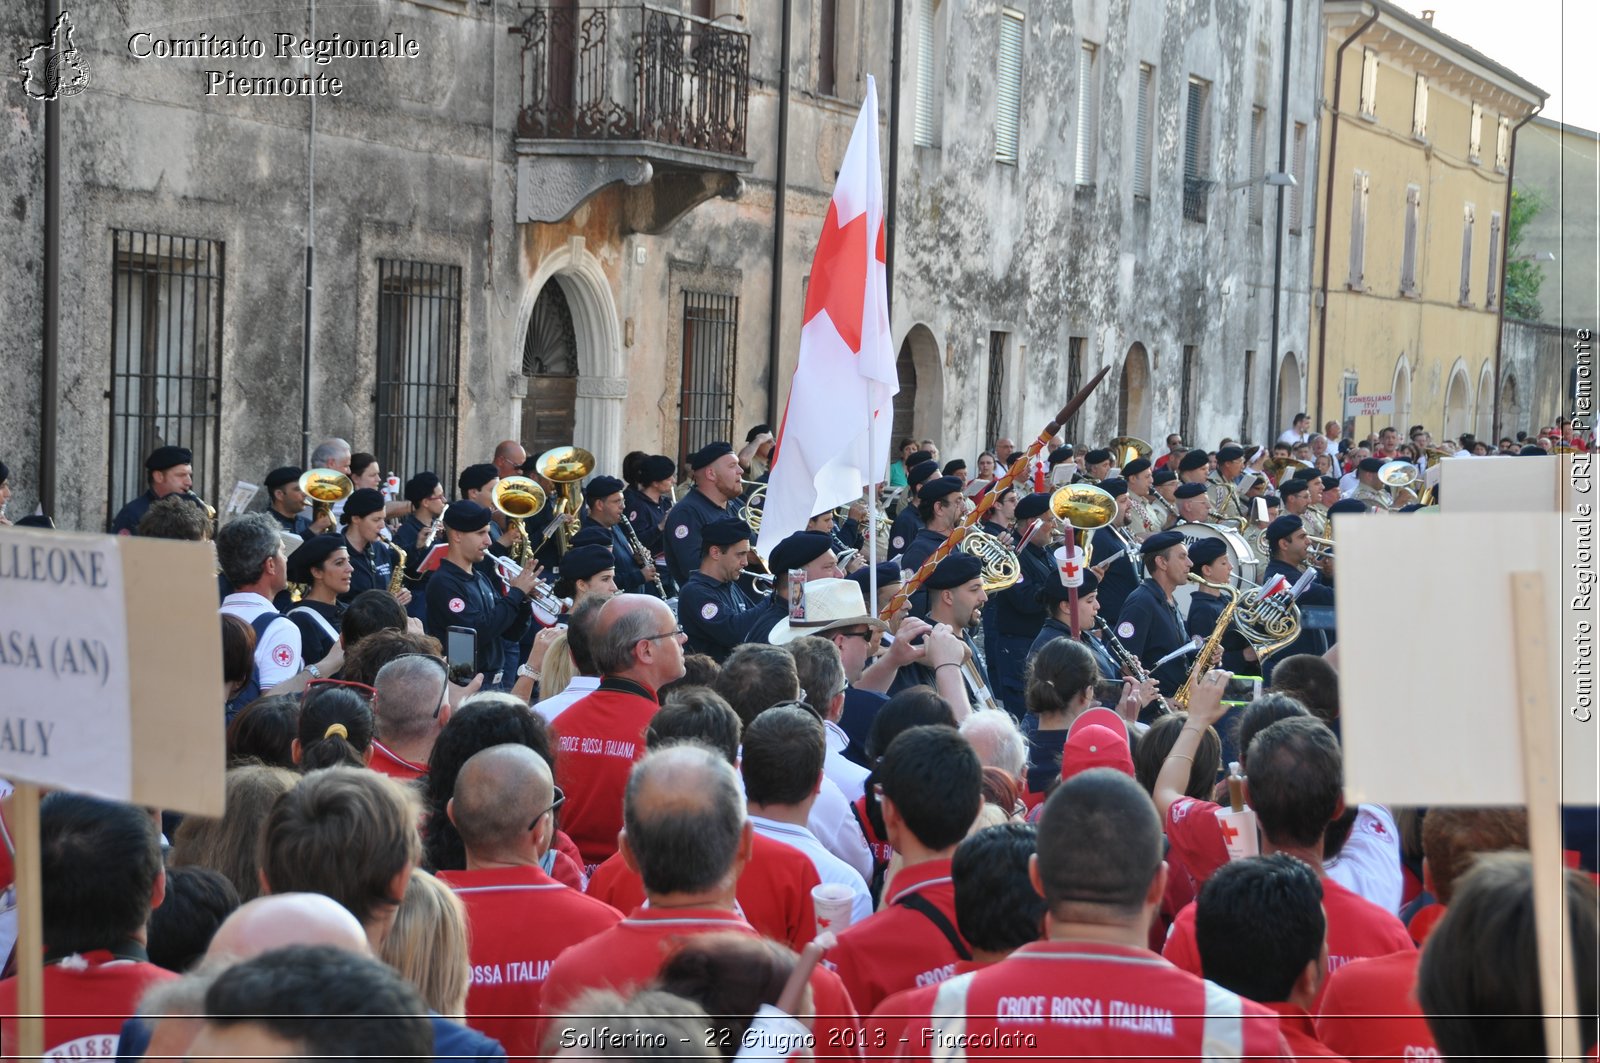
x,y
1327,216
1505,244
1277,235
780,195
896,58
50,369
307,343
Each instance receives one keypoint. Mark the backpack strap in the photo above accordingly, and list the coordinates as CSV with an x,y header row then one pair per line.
x,y
321,621
920,904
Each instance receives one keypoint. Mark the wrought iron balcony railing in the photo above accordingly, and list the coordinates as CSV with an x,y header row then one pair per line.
x,y
633,72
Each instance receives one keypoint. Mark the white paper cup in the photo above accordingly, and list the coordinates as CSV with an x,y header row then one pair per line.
x,y
832,903
1239,832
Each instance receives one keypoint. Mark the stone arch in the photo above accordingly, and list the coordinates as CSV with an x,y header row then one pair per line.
x,y
1290,388
1510,407
921,414
1457,402
1133,393
602,389
1401,388
1485,419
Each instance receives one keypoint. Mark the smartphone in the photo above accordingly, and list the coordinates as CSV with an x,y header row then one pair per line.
x,y
461,647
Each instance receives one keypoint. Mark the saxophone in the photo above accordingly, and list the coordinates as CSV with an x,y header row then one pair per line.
x,y
398,577
1210,654
641,556
1134,666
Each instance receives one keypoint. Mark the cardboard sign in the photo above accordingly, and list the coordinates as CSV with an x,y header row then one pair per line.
x,y
1430,692
111,668
1507,484
1368,405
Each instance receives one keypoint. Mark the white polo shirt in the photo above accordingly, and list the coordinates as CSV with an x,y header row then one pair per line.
x,y
278,648
830,869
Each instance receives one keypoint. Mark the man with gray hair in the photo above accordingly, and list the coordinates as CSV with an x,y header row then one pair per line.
x,y
638,649
250,551
999,743
412,707
686,831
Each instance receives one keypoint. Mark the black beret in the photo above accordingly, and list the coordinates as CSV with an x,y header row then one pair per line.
x,y
466,517
1030,506
5,473
724,532
1135,467
602,487
750,436
1229,454
583,562
709,454
1095,457
1283,527
1189,490
657,467
473,477
421,487
1205,551
314,551
1194,459
1292,487
283,476
1061,455
920,472
1370,464
917,457
1164,475
1160,541
953,464
591,535
1114,487
1329,482
163,458
1056,591
938,487
1532,450
1347,505
888,575
1272,501
798,551
365,501
1411,508
957,570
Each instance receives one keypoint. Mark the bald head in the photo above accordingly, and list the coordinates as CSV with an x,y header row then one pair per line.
x,y
282,919
499,792
684,819
509,456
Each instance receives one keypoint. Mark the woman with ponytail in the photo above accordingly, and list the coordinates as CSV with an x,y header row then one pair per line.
x,y
335,726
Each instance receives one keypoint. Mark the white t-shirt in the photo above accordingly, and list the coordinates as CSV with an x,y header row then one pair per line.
x,y
830,868
1369,863
577,687
834,823
847,775
278,647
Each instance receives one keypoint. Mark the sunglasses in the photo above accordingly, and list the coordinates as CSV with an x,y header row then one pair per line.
x,y
365,691
444,676
560,799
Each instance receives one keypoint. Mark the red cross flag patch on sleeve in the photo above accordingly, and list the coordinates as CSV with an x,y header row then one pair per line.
x,y
282,655
457,605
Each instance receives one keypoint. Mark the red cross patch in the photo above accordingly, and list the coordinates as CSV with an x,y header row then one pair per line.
x,y
457,605
282,655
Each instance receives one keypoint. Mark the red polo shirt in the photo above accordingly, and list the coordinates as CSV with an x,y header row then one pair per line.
x,y
1357,929
1196,838
1077,1000
520,919
882,1032
898,947
600,737
386,761
1369,1008
1295,1024
87,998
774,890
631,953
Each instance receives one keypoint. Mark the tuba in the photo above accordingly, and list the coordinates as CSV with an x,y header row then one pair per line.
x,y
1001,567
1083,507
325,487
564,466
518,497
1127,448
1399,477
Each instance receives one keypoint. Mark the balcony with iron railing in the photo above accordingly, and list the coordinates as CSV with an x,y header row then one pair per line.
x,y
632,93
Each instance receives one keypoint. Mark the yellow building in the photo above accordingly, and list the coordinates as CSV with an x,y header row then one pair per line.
x,y
1415,153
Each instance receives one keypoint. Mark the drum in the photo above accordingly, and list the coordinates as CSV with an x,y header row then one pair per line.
x,y
1246,562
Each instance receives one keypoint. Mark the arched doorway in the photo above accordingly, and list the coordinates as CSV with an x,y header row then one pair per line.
x,y
905,400
919,405
1510,408
550,362
1401,389
1457,403
1289,389
1133,394
1485,420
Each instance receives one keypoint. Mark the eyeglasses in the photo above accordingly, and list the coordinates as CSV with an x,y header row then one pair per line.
x,y
444,676
865,635
560,799
360,688
675,633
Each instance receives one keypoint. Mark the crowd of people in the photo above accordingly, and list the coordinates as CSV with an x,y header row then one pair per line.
x,y
601,781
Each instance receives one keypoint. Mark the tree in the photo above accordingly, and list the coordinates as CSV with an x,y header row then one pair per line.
x,y
1523,275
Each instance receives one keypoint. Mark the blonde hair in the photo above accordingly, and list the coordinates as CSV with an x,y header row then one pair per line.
x,y
428,944
557,670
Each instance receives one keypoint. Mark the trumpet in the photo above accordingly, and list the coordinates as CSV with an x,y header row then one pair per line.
x,y
760,580
546,606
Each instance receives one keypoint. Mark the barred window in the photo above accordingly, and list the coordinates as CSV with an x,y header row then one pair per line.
x,y
994,406
166,356
1075,345
1187,387
419,351
1197,149
710,358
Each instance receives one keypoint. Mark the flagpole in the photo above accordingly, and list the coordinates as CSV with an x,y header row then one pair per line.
x,y
872,524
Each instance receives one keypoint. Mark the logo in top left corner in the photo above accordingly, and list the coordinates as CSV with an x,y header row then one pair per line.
x,y
54,69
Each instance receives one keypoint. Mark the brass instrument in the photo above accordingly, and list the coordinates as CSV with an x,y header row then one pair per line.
x,y
750,513
518,497
982,697
1001,567
546,606
1274,467
398,577
564,466
1084,508
1267,623
1135,667
1210,654
1399,476
641,556
325,487
759,579
1321,549
1128,448
1241,522
1238,524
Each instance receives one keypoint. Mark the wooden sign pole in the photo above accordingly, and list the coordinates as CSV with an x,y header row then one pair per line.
x,y
1541,771
30,922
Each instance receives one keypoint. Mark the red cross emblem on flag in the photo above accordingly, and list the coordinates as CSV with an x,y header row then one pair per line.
x,y
1070,569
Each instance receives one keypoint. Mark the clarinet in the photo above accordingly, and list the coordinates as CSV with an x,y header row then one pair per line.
x,y
641,556
1127,660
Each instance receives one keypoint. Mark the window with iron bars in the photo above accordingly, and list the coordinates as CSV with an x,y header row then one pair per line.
x,y
419,356
710,362
166,357
1186,389
1074,381
997,386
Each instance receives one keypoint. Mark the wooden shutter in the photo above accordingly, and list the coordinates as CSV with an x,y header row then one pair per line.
x,y
1088,114
926,109
1008,89
1141,132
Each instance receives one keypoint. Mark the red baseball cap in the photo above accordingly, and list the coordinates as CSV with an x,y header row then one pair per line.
x,y
1096,746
